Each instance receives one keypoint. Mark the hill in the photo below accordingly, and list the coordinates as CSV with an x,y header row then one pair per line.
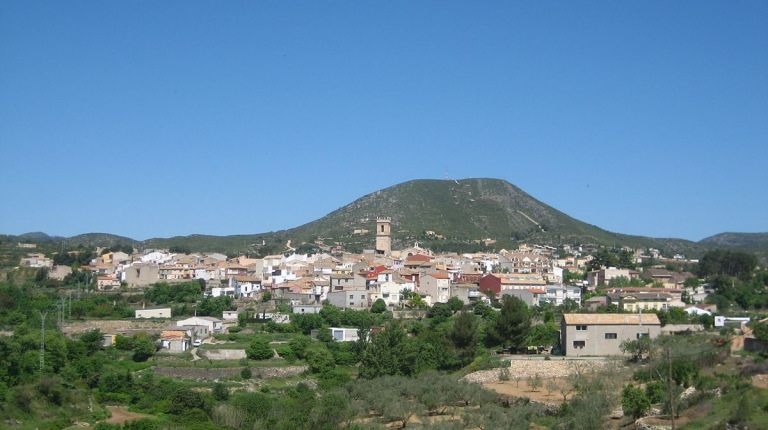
x,y
442,214
755,242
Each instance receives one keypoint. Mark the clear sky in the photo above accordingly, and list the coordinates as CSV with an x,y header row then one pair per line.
x,y
149,119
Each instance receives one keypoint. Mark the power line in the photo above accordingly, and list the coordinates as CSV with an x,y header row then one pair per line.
x,y
42,339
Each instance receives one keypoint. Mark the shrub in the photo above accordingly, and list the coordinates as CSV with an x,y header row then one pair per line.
x,y
259,349
285,351
320,360
656,391
634,401
220,392
185,399
504,374
246,373
299,345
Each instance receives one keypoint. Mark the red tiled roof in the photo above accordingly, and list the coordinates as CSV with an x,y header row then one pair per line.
x,y
418,257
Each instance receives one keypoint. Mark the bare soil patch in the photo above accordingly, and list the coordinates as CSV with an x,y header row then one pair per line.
x,y
522,389
121,415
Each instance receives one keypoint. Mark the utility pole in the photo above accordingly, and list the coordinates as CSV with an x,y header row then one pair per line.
x,y
670,386
42,339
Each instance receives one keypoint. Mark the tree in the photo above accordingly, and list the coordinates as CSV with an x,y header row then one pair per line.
x,y
184,399
534,382
214,306
634,401
379,306
513,324
455,304
543,335
259,349
639,349
331,314
92,340
143,347
384,353
730,263
463,334
299,345
760,330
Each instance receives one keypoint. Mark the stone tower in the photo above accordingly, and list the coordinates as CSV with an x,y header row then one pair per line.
x,y
383,236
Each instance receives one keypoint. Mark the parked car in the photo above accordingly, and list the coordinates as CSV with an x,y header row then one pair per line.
x,y
197,342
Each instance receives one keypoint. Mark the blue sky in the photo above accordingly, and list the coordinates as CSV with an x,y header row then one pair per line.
x,y
152,119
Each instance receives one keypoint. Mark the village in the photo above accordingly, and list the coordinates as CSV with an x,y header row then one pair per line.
x,y
609,305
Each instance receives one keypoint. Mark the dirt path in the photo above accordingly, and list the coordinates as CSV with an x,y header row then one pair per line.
x,y
121,415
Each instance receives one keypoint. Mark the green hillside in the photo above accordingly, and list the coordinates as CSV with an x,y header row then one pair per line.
x,y
755,242
459,212
465,210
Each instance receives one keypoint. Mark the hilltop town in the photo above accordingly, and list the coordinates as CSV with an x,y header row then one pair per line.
x,y
536,322
406,278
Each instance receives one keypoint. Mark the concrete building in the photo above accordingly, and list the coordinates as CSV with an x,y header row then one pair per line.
x,y
174,340
558,294
343,334
307,309
436,286
229,315
351,299
141,274
598,278
383,236
531,297
601,334
153,313
213,325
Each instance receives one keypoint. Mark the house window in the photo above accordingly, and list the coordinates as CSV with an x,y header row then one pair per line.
x,y
362,296
579,344
639,335
351,296
581,328
611,336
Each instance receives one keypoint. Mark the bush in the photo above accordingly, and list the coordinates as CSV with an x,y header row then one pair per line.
x,y
634,401
185,399
220,392
320,360
656,391
504,374
379,306
259,349
246,373
285,351
235,329
299,345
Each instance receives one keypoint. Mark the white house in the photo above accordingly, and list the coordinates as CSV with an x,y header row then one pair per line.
x,y
557,294
213,324
695,310
343,334
229,315
153,313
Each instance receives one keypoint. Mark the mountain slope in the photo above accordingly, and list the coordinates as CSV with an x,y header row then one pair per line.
x,y
756,242
460,211
465,210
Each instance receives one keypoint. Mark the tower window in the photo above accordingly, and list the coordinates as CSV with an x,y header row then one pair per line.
x,y
382,228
